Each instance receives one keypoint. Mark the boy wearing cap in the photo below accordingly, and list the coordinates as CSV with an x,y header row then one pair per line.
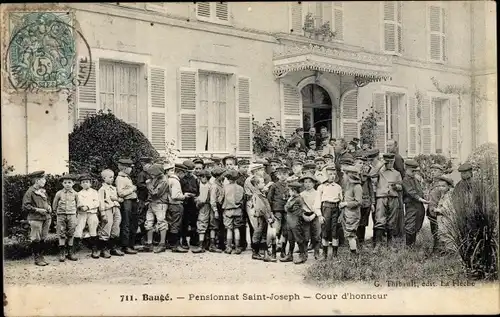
x,y
277,197
190,186
88,205
157,208
320,173
329,148
127,191
311,216
265,227
232,214
297,167
291,156
368,197
353,195
312,149
65,204
294,213
36,205
205,221
230,162
142,193
389,184
329,159
439,188
243,165
413,197
254,170
302,155
175,205
110,216
329,195
216,199
198,166
464,186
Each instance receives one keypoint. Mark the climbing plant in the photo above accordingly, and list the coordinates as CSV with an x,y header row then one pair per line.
x,y
368,130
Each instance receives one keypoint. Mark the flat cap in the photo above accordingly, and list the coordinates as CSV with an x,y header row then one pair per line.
x,y
346,161
299,129
372,153
411,163
308,176
146,159
330,167
328,155
319,159
465,167
388,156
204,173
155,170
126,161
198,160
360,156
216,159
309,166
283,168
303,151
85,177
218,171
208,162
351,169
297,162
262,161
446,179
37,174
295,185
437,166
243,162
275,160
180,167
168,166
255,166
188,164
232,175
353,143
67,176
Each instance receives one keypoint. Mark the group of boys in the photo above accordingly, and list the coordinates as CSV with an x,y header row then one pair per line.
x,y
206,205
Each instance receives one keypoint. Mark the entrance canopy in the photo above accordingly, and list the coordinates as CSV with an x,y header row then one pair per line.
x,y
368,67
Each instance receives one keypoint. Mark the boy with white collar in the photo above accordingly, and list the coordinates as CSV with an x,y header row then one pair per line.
x,y
88,205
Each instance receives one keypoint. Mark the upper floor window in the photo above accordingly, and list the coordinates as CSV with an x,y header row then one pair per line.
x,y
393,27
321,12
217,12
437,34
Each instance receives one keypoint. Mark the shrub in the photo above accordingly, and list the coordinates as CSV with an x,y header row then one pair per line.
x,y
100,140
368,127
425,162
478,158
267,137
471,221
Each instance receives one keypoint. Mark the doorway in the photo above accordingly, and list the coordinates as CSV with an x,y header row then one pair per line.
x,y
316,108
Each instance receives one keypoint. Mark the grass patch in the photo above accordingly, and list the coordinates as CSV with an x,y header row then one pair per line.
x,y
399,263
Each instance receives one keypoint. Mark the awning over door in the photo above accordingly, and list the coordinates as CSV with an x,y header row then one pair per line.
x,y
366,66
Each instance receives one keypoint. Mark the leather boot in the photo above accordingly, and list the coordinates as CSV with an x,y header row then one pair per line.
x,y
267,256
71,253
325,252
62,253
41,251
263,249
160,248
273,253
409,240
104,249
114,249
177,247
302,254
255,252
316,251
282,252
35,246
95,253
335,250
289,256
212,247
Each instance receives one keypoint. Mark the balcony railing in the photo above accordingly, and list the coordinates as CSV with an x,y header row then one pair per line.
x,y
314,29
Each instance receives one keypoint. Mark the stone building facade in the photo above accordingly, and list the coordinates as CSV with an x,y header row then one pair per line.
x,y
197,73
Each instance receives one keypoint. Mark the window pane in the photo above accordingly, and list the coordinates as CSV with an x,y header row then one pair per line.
x,y
438,125
203,114
395,118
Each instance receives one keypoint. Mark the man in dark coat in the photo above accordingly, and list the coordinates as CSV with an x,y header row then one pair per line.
x,y
142,194
299,138
189,184
399,165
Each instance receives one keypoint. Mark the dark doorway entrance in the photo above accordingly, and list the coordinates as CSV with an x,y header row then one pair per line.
x,y
316,108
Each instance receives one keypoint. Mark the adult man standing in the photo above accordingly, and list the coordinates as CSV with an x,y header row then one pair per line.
x,y
392,147
299,138
142,193
189,185
127,191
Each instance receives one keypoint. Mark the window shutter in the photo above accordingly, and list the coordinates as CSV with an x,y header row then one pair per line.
x,y
188,79
338,17
291,105
436,40
412,127
379,106
454,127
203,10
244,117
87,94
222,11
443,30
389,26
349,115
296,18
157,107
426,128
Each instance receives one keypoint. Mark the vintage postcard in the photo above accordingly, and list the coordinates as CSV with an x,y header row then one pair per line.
x,y
250,158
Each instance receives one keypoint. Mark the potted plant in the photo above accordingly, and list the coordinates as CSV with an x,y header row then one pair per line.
x,y
309,25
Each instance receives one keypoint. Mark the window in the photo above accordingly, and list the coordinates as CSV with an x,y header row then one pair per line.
x,y
212,115
118,86
217,12
393,27
322,12
437,35
441,126
392,116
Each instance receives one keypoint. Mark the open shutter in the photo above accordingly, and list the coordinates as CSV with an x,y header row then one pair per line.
x,y
222,11
338,20
87,94
296,18
454,127
291,108
157,107
436,41
399,26
389,26
244,117
412,127
379,106
187,79
349,115
426,129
